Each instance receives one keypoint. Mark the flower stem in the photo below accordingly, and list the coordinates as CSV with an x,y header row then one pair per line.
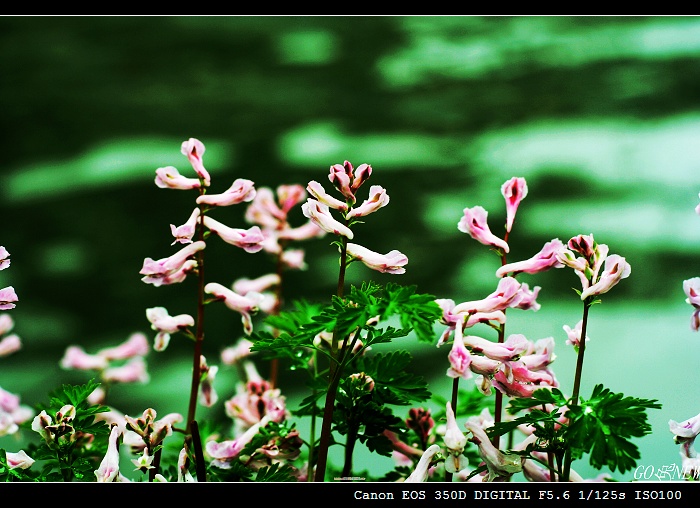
x,y
333,379
577,381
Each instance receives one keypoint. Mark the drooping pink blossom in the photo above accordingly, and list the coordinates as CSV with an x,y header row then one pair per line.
x,y
246,305
4,258
306,231
8,297
506,295
455,442
574,334
501,466
459,357
528,298
264,282
320,214
172,269
135,345
691,287
109,467
133,371
474,224
184,233
6,323
224,452
10,344
421,472
75,357
194,150
169,177
391,262
378,198
19,460
511,349
289,196
318,192
514,191
165,325
234,354
207,394
348,179
241,191
616,269
545,259
250,240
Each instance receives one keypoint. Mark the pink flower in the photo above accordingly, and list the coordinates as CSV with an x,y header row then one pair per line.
x,y
172,269
258,285
109,467
574,334
616,269
320,214
692,291
528,299
224,452
4,258
170,178
455,441
507,294
6,323
234,354
391,262
244,305
184,233
474,224
19,460
250,240
378,198
75,357
318,192
514,190
501,466
241,191
459,357
347,179
514,346
289,196
422,470
194,149
207,394
165,325
306,231
131,372
697,208
7,298
10,344
135,345
540,262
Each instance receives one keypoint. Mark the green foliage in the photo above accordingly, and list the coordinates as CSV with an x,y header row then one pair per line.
x,y
600,426
394,384
73,447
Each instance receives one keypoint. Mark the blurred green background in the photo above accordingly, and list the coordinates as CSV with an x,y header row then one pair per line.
x,y
601,115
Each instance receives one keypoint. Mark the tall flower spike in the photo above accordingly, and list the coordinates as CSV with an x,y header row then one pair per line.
x,y
514,191
474,224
